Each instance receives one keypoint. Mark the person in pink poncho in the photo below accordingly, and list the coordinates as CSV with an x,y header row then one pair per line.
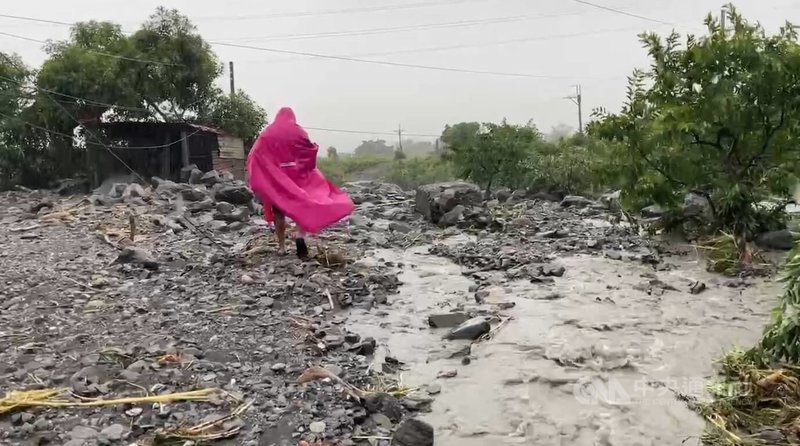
x,y
283,174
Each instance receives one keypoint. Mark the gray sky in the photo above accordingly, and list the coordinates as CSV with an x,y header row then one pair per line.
x,y
563,41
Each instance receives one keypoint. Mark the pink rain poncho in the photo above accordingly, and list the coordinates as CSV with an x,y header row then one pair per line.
x,y
282,169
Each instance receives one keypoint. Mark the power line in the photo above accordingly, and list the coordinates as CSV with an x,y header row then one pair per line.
x,y
388,63
281,15
343,58
470,45
367,132
619,11
385,30
77,98
89,50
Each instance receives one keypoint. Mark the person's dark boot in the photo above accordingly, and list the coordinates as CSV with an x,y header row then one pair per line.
x,y
302,249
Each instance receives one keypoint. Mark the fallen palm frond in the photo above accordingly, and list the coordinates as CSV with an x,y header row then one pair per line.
x,y
729,255
392,385
18,400
208,431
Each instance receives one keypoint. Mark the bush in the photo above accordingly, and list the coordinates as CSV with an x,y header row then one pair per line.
x,y
414,172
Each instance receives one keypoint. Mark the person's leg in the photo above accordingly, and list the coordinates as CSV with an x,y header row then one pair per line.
x,y
300,244
280,229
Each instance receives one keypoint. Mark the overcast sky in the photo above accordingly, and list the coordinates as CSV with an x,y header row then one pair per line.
x,y
558,43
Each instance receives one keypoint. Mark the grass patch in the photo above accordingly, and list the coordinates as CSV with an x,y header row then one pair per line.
x,y
752,404
729,255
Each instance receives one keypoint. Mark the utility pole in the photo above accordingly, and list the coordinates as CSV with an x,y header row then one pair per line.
x,y
399,139
233,86
577,99
722,16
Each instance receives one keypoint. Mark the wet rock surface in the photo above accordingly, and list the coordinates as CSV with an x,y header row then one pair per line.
x,y
176,287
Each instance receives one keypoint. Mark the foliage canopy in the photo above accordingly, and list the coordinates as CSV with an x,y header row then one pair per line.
x,y
716,115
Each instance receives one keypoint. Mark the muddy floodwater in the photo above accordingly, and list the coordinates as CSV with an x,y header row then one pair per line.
x,y
595,358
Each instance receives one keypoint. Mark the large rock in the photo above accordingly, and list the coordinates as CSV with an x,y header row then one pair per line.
x,y
782,240
611,200
653,211
502,195
696,206
547,196
240,195
188,171
435,200
210,178
575,201
413,432
73,186
193,194
453,216
471,329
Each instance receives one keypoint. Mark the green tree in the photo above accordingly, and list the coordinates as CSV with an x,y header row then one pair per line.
x,y
80,77
333,153
377,147
463,134
238,115
180,79
716,115
495,155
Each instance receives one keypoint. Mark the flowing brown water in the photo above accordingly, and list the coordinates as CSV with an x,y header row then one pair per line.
x,y
604,333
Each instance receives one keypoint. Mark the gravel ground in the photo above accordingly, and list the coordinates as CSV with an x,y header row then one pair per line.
x,y
200,299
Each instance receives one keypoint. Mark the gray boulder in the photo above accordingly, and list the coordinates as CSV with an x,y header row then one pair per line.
x,y
239,195
117,190
73,186
696,206
433,201
193,194
471,329
611,200
453,216
575,201
653,211
547,196
413,432
502,195
782,240
186,173
210,178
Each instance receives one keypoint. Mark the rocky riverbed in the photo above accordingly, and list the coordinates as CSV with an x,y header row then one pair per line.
x,y
478,318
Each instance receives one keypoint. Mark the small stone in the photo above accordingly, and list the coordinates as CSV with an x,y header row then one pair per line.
x,y
83,433
247,279
115,432
134,412
399,227
447,320
278,367
317,427
697,287
434,389
447,374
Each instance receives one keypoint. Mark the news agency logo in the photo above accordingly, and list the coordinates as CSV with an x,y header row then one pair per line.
x,y
595,391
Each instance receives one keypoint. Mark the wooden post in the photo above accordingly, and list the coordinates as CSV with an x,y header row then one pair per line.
x,y
184,149
166,159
